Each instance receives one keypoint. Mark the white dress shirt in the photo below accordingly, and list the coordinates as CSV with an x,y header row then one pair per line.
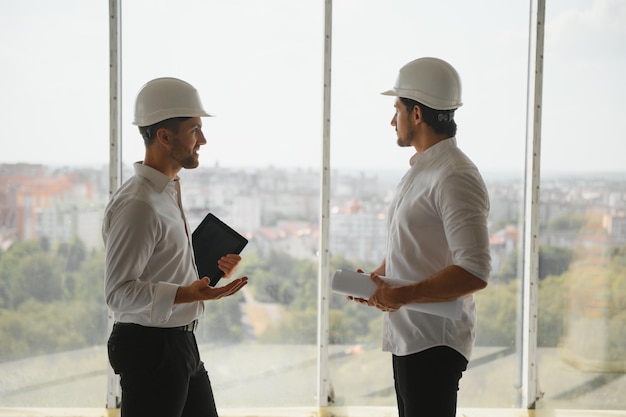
x,y
437,218
148,252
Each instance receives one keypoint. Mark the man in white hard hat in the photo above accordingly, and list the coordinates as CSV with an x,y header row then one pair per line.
x,y
151,281
437,237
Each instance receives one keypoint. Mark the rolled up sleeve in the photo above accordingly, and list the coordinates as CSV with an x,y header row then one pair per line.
x,y
464,204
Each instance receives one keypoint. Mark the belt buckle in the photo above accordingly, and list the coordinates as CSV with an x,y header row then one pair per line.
x,y
191,327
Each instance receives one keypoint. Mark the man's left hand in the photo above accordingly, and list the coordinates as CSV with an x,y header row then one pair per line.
x,y
228,264
383,298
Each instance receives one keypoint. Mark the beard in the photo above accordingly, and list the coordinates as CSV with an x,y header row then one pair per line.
x,y
190,162
405,141
183,156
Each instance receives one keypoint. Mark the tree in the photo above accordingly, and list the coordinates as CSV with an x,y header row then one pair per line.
x,y
28,270
551,311
296,327
50,304
497,315
89,279
37,328
553,260
74,253
569,222
38,276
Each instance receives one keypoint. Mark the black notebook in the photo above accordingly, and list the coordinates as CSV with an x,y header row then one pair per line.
x,y
211,240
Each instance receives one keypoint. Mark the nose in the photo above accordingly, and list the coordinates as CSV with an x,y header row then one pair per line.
x,y
202,140
393,120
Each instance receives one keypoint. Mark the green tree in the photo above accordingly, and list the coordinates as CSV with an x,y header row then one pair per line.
x,y
48,303
497,315
618,286
38,276
552,260
354,323
89,291
498,307
296,327
28,270
569,222
89,279
8,265
551,311
37,328
73,254
297,290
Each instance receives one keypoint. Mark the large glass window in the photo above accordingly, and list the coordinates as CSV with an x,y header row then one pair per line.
x,y
259,68
582,252
53,188
371,43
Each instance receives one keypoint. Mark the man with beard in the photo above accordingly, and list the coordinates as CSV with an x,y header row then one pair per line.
x,y
151,280
437,237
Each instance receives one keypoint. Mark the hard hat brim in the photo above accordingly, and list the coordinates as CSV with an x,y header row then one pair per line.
x,y
421,98
159,116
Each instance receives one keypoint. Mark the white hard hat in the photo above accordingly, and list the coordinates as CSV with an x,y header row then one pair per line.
x,y
430,81
164,98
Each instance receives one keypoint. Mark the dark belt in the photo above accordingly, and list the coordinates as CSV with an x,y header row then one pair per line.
x,y
186,328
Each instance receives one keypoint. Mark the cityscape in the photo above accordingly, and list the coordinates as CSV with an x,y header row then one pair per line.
x,y
278,208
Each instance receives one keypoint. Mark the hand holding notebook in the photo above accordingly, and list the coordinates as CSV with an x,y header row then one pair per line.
x,y
360,285
211,240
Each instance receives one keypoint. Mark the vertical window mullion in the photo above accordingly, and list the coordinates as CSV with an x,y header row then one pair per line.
x,y
323,379
115,148
530,278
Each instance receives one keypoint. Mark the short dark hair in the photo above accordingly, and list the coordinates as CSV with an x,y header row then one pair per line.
x,y
147,132
442,121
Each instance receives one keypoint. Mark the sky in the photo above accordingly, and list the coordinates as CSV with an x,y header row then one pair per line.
x,y
258,66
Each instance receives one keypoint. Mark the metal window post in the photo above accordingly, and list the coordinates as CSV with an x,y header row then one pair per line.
x,y
323,378
115,146
530,286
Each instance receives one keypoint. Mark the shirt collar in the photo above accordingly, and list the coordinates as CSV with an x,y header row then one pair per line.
x,y
157,178
434,151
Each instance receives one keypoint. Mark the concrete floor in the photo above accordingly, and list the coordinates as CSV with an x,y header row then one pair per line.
x,y
256,377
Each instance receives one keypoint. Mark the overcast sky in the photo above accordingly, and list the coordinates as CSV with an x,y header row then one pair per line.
x,y
258,66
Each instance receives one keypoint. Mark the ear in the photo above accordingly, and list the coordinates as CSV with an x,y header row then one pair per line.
x,y
416,115
163,136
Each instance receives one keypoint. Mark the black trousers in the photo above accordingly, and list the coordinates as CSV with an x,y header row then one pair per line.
x,y
161,374
427,382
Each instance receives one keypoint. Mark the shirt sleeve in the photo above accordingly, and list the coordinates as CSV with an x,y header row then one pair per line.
x,y
130,232
164,296
464,205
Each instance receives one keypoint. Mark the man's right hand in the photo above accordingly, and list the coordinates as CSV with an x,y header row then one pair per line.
x,y
200,290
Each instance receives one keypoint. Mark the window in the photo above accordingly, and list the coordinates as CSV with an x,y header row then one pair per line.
x,y
581,321
371,43
53,188
258,66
